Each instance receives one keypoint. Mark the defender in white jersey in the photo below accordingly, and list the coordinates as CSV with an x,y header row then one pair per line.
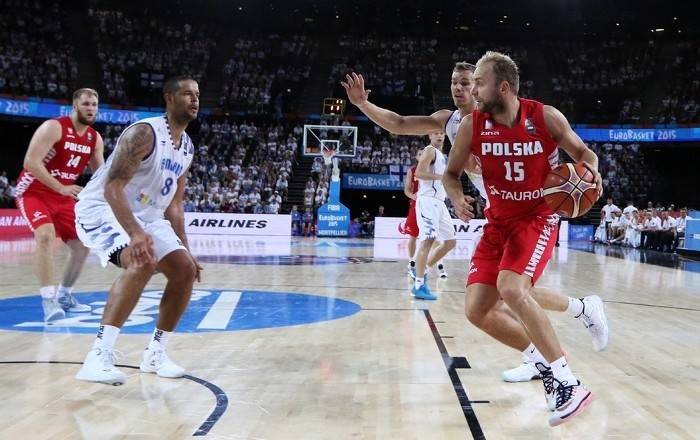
x,y
131,214
434,221
588,310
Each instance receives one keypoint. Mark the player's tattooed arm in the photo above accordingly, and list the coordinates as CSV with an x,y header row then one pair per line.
x,y
134,145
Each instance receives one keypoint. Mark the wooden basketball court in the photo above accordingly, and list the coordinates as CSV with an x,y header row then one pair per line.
x,y
318,339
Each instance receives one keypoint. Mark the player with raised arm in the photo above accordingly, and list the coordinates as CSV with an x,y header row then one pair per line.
x,y
588,310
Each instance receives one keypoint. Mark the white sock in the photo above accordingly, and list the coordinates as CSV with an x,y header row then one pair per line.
x,y
63,291
47,292
160,338
418,282
575,307
562,372
106,336
532,353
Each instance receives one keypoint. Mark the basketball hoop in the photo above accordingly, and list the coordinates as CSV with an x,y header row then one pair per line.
x,y
328,156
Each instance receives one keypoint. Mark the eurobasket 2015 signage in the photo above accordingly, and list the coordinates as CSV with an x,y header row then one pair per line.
x,y
333,217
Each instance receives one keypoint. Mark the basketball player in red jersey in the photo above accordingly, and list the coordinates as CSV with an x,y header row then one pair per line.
x,y
57,155
410,226
515,143
588,310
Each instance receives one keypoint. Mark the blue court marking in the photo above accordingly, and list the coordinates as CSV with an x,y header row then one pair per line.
x,y
281,260
208,311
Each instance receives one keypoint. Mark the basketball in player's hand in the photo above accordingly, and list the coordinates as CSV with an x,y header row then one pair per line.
x,y
570,190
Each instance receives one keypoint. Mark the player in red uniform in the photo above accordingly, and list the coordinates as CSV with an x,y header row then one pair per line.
x,y
515,144
410,226
57,155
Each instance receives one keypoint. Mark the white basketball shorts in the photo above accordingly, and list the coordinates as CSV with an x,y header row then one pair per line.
x,y
100,231
434,219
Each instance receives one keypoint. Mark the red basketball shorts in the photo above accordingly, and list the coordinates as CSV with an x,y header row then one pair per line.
x,y
522,245
44,208
410,225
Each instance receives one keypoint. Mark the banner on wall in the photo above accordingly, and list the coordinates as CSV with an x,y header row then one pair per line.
x,y
333,218
237,224
12,223
385,182
388,227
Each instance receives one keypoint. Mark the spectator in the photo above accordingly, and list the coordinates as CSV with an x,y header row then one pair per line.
x,y
296,220
307,222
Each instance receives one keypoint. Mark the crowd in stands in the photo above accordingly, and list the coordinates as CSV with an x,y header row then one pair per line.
x,y
625,174
241,167
267,75
593,81
36,55
8,190
606,78
391,66
681,103
137,53
655,228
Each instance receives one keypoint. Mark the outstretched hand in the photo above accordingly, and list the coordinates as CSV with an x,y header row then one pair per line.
x,y
355,88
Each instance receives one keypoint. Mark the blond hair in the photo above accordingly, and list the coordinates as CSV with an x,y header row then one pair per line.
x,y
503,68
85,90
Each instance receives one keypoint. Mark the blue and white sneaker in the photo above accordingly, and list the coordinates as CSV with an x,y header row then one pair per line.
x,y
69,304
423,293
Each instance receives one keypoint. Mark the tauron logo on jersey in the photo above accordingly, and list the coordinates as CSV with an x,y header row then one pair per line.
x,y
516,196
511,149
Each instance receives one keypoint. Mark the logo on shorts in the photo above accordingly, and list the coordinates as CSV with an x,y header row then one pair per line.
x,y
38,215
472,268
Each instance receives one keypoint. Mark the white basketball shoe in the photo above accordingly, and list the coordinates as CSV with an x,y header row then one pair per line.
x,y
99,367
157,361
524,372
570,401
593,317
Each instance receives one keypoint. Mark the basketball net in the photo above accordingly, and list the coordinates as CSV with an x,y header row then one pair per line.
x,y
328,156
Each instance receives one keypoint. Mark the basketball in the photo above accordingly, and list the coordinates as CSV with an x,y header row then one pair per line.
x,y
569,190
